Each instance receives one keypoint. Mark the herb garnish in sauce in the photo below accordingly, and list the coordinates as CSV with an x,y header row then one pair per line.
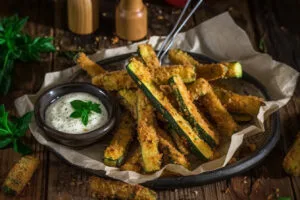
x,y
83,109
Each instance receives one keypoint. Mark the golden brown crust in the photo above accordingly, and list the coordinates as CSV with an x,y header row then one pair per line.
x,y
147,134
109,189
21,173
225,123
88,65
115,153
237,103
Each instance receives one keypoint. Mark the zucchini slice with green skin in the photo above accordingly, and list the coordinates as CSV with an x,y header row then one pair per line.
x,y
148,55
234,69
147,134
115,153
20,175
143,79
218,113
192,115
128,100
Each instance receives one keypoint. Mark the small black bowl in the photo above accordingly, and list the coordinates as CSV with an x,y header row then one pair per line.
x,y
75,140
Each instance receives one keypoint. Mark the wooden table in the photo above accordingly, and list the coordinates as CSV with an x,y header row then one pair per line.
x,y
272,26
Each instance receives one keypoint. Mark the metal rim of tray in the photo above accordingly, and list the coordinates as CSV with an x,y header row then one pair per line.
x,y
238,167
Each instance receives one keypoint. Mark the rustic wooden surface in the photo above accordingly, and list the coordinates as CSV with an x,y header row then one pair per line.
x,y
272,26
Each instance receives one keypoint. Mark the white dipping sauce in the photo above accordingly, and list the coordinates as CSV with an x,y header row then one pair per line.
x,y
58,114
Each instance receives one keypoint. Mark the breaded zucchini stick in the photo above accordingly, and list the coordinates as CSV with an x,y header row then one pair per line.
x,y
110,189
169,150
291,162
148,55
128,100
212,71
88,65
224,121
115,153
238,103
20,175
234,69
147,134
115,80
133,161
118,80
181,143
191,113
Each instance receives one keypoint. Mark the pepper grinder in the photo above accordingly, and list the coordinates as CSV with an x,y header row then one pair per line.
x,y
131,20
83,16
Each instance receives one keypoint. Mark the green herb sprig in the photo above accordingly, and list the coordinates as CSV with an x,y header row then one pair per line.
x,y
16,45
11,132
83,109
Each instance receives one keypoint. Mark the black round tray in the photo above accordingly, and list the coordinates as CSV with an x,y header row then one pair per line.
x,y
238,167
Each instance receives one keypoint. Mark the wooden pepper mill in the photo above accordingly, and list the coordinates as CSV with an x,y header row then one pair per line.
x,y
83,16
131,20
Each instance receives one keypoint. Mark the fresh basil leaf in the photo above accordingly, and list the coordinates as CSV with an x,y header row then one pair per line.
x,y
2,41
96,108
85,118
24,121
75,114
1,27
21,148
77,104
4,132
5,142
19,24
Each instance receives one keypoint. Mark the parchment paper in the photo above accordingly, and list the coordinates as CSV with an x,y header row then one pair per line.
x,y
219,38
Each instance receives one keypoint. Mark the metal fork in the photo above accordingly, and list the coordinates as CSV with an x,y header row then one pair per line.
x,y
168,42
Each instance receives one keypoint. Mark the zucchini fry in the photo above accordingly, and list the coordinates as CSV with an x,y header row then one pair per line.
x,y
128,100
163,74
198,89
234,69
133,161
189,110
207,71
147,134
88,65
118,80
212,71
291,162
181,143
141,75
169,150
224,121
115,153
110,189
148,55
20,175
239,103
115,80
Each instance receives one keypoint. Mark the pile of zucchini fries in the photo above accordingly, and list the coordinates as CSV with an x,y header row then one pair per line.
x,y
173,111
